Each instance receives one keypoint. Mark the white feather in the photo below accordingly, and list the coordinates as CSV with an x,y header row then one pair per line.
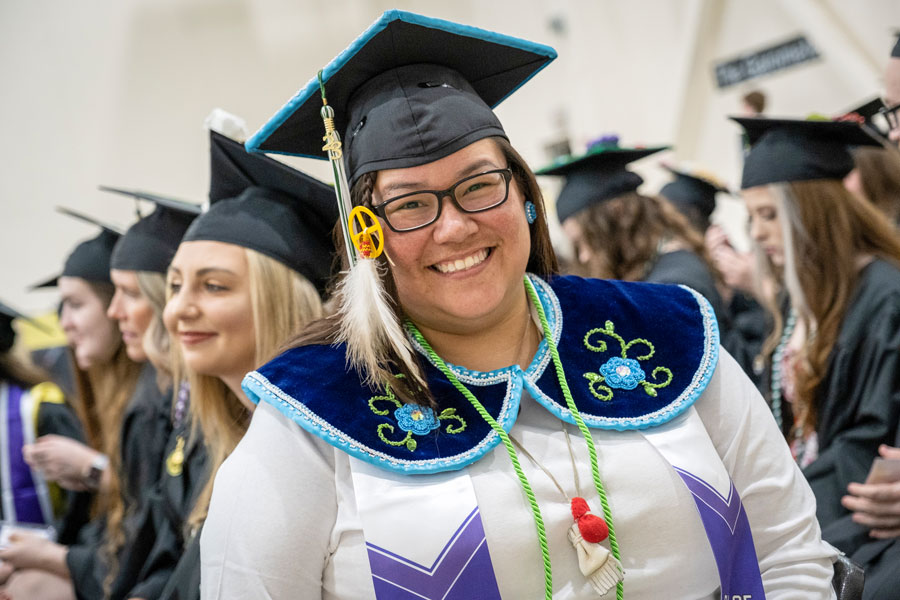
x,y
369,326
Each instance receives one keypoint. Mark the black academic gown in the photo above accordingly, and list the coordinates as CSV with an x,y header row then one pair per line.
x,y
686,268
859,398
171,570
145,429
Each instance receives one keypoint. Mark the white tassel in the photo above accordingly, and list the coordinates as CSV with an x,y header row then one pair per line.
x,y
597,563
369,325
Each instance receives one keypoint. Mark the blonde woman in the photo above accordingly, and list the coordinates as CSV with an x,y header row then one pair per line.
x,y
246,278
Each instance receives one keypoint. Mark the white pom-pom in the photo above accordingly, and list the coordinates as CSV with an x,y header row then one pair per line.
x,y
596,562
229,125
369,325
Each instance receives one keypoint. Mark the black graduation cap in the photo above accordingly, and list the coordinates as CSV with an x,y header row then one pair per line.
x,y
408,91
895,52
90,259
597,175
784,150
260,203
7,333
150,244
692,191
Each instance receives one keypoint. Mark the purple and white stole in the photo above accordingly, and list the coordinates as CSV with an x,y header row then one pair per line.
x,y
23,492
412,557
685,444
448,558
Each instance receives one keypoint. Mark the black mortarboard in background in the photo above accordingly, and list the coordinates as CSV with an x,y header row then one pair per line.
x,y
7,333
150,244
895,52
692,194
785,150
260,203
597,175
90,259
410,90
869,115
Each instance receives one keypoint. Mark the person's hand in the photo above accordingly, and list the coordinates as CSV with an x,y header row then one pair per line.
x,y
876,505
61,459
736,267
6,570
28,551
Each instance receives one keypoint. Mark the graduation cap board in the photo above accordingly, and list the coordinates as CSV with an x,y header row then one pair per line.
x,y
7,333
260,203
785,150
90,259
410,90
597,175
692,191
151,242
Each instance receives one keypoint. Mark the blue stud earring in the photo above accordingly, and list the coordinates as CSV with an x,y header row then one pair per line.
x,y
530,212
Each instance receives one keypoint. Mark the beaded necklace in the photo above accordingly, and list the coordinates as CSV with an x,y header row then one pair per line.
x,y
777,360
510,450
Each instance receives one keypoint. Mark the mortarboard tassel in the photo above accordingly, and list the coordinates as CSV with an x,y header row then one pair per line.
x,y
369,325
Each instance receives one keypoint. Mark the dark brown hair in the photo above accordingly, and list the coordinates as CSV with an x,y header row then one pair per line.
x,y
624,234
541,261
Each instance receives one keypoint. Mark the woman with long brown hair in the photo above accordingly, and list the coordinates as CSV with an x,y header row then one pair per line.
x,y
838,258
468,424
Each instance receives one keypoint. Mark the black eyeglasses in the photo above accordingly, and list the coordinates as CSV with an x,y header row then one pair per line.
x,y
476,193
891,114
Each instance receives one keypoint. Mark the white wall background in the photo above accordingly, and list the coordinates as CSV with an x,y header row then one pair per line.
x,y
115,91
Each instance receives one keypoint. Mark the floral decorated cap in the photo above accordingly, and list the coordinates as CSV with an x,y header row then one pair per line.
x,y
408,91
597,175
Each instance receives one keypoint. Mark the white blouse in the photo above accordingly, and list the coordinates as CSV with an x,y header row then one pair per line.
x,y
283,521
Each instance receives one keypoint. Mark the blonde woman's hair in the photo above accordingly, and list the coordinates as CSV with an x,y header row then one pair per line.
x,y
282,302
156,343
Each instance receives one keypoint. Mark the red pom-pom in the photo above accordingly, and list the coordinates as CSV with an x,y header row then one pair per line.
x,y
593,528
579,507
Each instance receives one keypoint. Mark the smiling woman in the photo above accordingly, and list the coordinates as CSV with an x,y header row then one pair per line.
x,y
410,478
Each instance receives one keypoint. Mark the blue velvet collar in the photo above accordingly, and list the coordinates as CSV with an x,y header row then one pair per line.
x,y
635,355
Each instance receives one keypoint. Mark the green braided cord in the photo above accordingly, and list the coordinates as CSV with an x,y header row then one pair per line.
x,y
321,84
498,429
595,469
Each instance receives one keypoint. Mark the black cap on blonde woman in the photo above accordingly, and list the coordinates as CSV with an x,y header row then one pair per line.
x,y
410,90
260,203
151,242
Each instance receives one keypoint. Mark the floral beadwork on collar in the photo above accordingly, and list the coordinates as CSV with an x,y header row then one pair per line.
x,y
622,372
312,386
413,419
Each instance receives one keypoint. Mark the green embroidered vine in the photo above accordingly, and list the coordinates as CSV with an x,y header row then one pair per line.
x,y
622,372
413,419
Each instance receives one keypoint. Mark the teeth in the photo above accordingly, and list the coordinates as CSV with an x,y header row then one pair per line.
x,y
462,264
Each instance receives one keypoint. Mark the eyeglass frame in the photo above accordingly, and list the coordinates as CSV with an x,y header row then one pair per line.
x,y
890,114
441,194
